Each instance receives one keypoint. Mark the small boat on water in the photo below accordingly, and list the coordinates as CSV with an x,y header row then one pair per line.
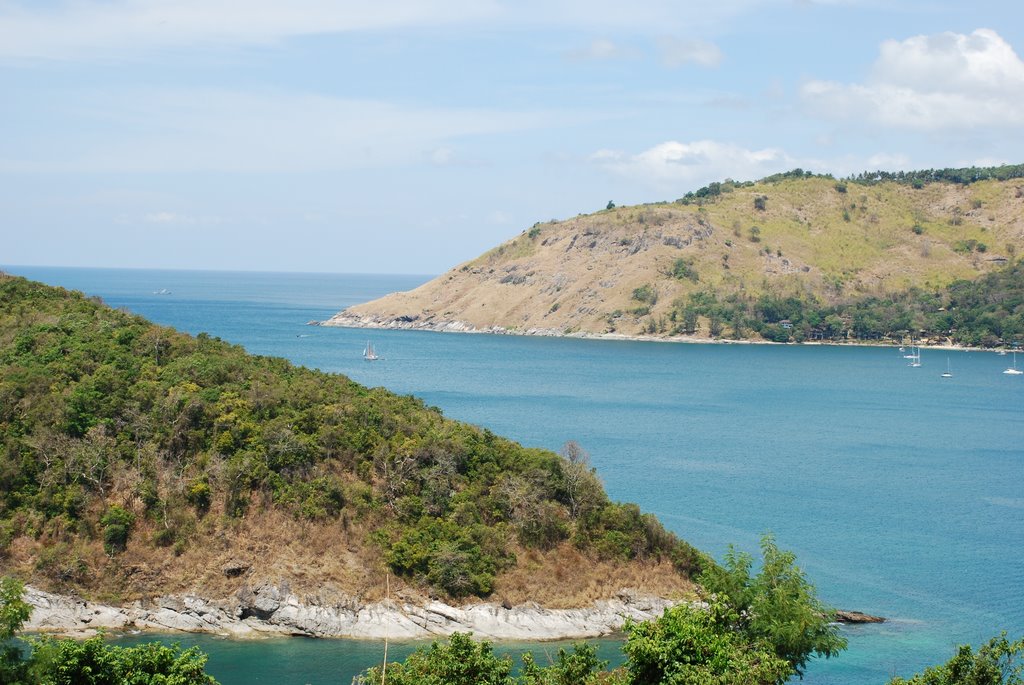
x,y
368,353
948,373
914,357
1013,370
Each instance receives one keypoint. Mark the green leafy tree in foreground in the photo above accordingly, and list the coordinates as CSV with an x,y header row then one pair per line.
x,y
777,607
699,646
996,663
462,661
14,611
579,667
89,662
92,662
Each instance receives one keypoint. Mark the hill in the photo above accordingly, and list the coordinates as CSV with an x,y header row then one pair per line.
x,y
766,260
136,461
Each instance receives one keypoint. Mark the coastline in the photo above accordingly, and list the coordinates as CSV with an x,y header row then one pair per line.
x,y
268,610
345,319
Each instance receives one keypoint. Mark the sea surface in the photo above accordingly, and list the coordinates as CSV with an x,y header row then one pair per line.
x,y
901,492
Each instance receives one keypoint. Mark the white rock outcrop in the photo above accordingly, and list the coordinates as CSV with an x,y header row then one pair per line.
x,y
268,608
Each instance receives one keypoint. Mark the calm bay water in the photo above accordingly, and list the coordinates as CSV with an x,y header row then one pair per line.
x,y
900,491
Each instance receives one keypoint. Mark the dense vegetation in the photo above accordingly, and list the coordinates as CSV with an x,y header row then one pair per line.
x,y
987,312
89,662
684,647
752,630
111,425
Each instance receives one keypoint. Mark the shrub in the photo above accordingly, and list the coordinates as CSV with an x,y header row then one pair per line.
x,y
645,293
199,494
682,269
461,661
117,524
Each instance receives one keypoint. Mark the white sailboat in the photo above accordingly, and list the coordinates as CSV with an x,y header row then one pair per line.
x,y
1013,370
914,356
368,353
948,373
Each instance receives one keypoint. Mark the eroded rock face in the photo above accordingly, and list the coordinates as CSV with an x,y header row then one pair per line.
x,y
269,608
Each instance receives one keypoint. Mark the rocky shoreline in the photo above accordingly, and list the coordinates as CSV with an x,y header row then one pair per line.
x,y
347,319
267,610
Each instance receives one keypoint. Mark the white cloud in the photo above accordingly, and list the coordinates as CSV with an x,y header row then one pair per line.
x,y
167,218
936,82
499,217
442,156
601,49
677,165
71,29
888,161
77,29
232,131
981,162
675,52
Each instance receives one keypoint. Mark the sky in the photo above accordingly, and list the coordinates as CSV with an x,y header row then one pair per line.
x,y
407,136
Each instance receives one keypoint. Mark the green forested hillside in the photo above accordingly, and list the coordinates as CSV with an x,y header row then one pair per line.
x,y
135,459
986,312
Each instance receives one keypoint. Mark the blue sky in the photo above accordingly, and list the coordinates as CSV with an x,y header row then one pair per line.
x,y
404,136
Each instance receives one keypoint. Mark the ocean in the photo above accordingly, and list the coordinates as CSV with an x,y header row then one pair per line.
x,y
899,491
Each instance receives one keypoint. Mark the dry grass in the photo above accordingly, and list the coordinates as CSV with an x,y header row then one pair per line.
x,y
574,273
322,563
566,578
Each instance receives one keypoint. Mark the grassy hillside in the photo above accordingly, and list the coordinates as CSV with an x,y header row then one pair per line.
x,y
831,245
136,460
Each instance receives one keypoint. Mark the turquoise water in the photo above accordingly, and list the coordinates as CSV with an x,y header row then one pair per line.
x,y
899,491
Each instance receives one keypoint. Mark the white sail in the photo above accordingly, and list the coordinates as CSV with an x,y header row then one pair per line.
x,y
1013,370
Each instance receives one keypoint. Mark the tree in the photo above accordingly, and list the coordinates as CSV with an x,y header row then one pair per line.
x,y
14,611
699,646
581,485
92,661
69,662
580,667
996,663
117,524
461,661
777,606
610,205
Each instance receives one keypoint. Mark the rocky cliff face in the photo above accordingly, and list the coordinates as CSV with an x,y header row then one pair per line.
x,y
273,609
